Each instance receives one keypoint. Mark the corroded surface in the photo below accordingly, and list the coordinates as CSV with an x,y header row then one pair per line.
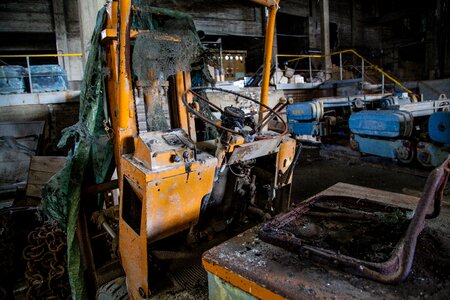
x,y
292,277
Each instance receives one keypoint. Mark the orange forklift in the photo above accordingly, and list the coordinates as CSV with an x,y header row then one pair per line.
x,y
171,181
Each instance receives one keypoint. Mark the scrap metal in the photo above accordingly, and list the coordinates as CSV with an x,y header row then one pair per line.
x,y
46,264
393,270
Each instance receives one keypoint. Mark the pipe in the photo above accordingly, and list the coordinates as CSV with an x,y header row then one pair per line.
x,y
268,47
124,63
109,230
267,3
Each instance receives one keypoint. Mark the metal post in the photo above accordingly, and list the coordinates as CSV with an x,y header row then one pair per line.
x,y
29,74
362,70
268,51
310,70
124,76
340,66
382,83
220,60
325,37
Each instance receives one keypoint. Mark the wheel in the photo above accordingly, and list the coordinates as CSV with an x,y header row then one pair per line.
x,y
354,145
115,289
406,152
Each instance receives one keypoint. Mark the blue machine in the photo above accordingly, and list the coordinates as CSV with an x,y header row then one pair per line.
x,y
395,100
382,123
439,127
383,133
304,118
435,152
321,117
387,125
420,130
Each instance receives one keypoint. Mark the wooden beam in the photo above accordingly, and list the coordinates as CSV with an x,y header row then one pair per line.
x,y
26,6
25,22
101,187
42,168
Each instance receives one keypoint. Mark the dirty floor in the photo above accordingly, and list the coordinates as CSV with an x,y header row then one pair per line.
x,y
314,173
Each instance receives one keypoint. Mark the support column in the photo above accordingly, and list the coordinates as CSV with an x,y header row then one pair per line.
x,y
353,22
354,29
59,22
325,36
432,46
313,26
87,10
268,52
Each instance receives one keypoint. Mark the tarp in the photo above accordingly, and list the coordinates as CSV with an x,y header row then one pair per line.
x,y
61,196
92,150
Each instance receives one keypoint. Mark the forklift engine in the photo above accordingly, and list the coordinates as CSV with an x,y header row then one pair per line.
x,y
170,181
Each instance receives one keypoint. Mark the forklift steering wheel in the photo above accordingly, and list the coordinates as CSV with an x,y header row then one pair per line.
x,y
201,116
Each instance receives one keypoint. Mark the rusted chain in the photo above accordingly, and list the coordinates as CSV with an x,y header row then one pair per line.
x,y
46,264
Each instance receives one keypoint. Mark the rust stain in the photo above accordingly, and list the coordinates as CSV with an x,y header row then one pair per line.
x,y
284,232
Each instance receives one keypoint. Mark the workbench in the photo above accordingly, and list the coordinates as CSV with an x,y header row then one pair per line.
x,y
245,267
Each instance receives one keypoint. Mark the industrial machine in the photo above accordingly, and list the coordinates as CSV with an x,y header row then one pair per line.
x,y
434,150
404,131
170,181
321,117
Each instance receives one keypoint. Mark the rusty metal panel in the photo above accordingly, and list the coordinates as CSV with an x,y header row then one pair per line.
x,y
362,237
254,150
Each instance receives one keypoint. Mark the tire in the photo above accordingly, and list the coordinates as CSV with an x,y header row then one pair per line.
x,y
115,289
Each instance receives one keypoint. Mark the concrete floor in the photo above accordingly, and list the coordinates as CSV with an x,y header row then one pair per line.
x,y
314,173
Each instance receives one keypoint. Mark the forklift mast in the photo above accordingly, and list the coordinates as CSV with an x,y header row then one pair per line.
x,y
170,183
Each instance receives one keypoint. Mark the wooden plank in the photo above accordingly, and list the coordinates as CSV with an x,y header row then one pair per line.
x,y
26,22
42,6
240,14
243,19
32,18
38,177
27,46
232,27
25,26
47,163
345,189
42,168
34,190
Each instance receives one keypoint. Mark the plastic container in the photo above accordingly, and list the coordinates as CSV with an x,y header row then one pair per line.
x,y
48,78
289,72
12,79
